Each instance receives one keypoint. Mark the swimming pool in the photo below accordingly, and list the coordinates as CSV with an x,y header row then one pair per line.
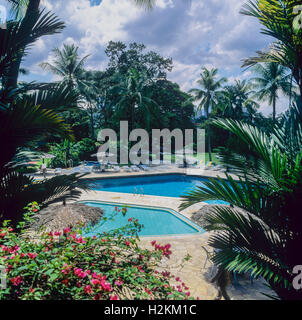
x,y
172,185
155,221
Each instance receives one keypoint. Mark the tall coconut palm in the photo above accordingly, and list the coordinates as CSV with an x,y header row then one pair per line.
x,y
209,95
272,79
277,18
133,94
238,100
262,232
67,65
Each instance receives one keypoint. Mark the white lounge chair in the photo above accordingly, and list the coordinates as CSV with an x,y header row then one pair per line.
x,y
135,168
97,168
127,169
144,167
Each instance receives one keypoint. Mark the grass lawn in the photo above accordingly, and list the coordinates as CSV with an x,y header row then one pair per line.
x,y
199,156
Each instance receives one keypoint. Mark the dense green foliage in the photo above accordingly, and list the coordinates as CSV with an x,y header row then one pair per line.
x,y
30,113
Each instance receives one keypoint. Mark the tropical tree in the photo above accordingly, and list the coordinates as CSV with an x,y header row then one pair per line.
x,y
278,19
261,232
70,68
209,96
238,100
133,93
67,65
272,79
29,113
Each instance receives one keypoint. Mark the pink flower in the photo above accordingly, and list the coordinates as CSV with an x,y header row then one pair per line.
x,y
114,297
106,286
118,283
80,273
95,282
57,233
130,219
127,243
153,243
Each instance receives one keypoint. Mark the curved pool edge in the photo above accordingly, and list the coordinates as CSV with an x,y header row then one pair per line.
x,y
176,214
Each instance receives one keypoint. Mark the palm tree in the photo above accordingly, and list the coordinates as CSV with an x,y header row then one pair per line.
x,y
209,96
29,113
262,231
238,100
277,18
133,93
67,65
271,79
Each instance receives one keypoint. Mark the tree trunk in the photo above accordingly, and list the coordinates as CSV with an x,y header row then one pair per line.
x,y
209,143
209,137
290,90
13,72
91,122
274,108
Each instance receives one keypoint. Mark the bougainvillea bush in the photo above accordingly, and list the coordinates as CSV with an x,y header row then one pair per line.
x,y
67,265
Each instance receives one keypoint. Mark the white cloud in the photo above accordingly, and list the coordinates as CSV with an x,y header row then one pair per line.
x,y
194,33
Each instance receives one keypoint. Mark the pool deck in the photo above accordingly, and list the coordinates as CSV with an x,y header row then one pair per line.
x,y
191,272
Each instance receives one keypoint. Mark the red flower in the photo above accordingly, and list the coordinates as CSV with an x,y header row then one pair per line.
x,y
32,255
16,280
127,243
88,289
148,291
130,219
65,281
114,297
66,230
140,269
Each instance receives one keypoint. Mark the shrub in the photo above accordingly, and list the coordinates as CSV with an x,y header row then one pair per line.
x,y
67,265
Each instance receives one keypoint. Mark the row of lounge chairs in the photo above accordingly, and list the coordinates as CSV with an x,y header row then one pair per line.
x,y
98,168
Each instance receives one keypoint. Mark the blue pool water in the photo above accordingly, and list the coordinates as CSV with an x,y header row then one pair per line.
x,y
174,185
155,221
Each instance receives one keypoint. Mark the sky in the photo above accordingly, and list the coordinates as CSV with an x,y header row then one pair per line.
x,y
193,33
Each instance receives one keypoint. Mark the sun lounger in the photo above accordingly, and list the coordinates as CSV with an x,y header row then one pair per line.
x,y
116,169
144,167
97,168
127,169
135,168
218,168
